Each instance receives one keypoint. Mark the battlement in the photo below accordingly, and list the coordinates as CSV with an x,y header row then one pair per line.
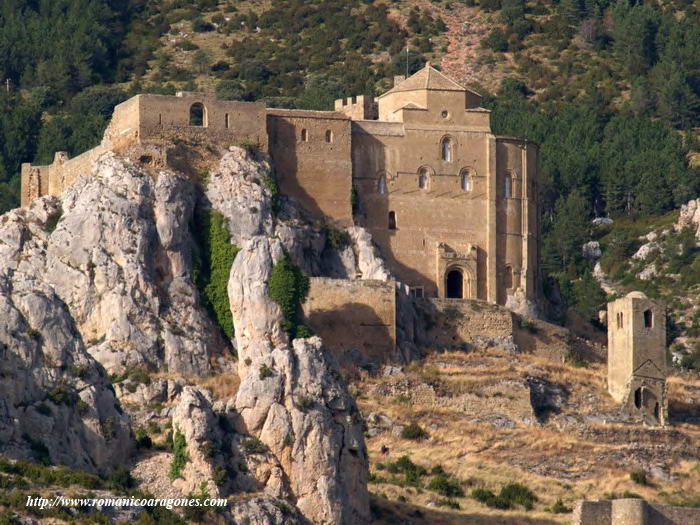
x,y
360,107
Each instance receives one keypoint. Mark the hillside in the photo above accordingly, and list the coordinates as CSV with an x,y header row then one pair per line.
x,y
493,417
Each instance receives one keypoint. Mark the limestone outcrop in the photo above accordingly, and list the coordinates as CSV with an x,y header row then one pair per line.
x,y
56,403
292,398
120,258
690,217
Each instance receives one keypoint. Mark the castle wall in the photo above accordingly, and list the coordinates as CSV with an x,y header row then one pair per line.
x,y
355,319
632,512
165,118
310,168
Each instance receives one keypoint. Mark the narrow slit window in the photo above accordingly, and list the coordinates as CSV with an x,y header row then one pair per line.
x,y
446,149
392,220
423,179
508,186
381,185
304,135
466,182
648,318
329,136
226,121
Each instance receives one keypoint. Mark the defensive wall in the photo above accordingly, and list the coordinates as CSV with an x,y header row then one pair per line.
x,y
633,512
355,319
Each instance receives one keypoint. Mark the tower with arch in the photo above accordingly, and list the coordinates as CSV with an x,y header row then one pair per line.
x,y
637,357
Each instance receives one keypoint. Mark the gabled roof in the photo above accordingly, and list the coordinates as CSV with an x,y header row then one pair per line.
x,y
427,78
411,105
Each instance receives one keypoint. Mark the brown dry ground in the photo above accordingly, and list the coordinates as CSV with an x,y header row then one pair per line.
x,y
584,451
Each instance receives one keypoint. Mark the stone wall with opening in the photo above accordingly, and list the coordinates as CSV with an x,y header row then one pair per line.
x,y
311,151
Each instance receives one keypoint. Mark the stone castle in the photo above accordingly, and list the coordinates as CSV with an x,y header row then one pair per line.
x,y
451,206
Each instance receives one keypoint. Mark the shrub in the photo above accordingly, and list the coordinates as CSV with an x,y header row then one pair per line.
x,y
265,372
253,445
446,486
511,494
337,239
408,468
496,41
214,266
445,502
304,403
120,479
559,507
639,477
288,287
413,431
53,219
180,457
303,331
220,475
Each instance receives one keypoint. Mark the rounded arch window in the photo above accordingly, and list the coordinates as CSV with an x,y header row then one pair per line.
x,y
304,135
508,277
466,179
423,179
329,136
381,185
391,220
446,149
198,114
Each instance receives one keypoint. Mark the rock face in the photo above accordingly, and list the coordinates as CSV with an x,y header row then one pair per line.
x,y
293,399
690,217
591,250
120,259
56,403
238,190
369,264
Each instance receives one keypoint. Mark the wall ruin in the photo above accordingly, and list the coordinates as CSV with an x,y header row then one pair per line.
x,y
632,512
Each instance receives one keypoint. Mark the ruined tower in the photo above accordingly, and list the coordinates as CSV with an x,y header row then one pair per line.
x,y
637,357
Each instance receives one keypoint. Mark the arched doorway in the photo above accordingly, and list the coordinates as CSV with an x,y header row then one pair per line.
x,y
454,284
198,114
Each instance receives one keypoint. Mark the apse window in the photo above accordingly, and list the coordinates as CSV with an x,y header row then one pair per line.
x,y
508,186
446,149
423,179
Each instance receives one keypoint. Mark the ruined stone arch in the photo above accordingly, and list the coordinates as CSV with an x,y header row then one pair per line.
x,y
446,148
198,115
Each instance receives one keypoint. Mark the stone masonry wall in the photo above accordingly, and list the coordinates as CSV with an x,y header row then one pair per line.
x,y
632,512
355,319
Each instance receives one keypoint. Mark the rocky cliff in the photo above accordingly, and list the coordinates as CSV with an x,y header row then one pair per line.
x,y
100,282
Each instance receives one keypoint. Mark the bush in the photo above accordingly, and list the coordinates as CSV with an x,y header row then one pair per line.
x,y
446,486
560,508
214,266
120,479
511,494
408,468
180,457
496,41
288,287
639,477
413,431
265,372
337,239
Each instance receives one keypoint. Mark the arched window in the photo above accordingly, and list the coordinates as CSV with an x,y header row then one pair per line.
x,y
304,135
226,121
381,185
508,278
446,149
423,179
648,318
197,114
465,180
392,220
329,136
508,186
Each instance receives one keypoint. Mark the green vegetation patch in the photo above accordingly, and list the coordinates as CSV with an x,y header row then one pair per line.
x,y
180,457
511,495
213,268
288,287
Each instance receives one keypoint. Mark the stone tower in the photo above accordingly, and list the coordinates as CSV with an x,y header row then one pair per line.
x,y
637,357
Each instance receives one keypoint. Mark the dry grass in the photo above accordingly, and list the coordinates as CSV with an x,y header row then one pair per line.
x,y
585,461
222,386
